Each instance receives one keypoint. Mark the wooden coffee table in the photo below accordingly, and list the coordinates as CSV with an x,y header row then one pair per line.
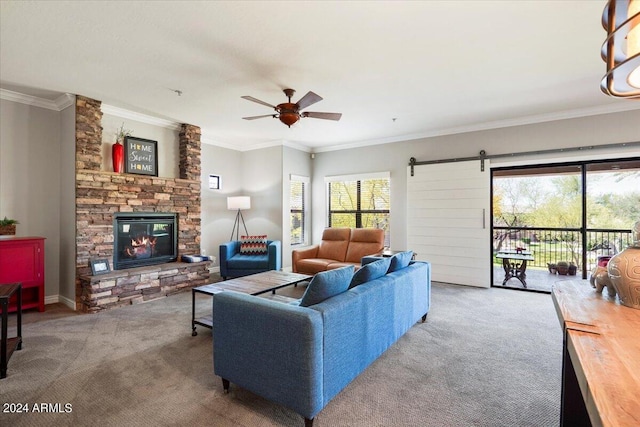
x,y
254,284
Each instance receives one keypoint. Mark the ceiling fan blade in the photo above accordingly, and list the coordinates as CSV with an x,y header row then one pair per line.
x,y
326,116
259,117
251,98
309,99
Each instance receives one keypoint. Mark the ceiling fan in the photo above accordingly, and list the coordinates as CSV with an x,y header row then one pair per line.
x,y
289,113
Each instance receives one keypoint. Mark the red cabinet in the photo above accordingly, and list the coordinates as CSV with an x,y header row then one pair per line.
x,y
22,260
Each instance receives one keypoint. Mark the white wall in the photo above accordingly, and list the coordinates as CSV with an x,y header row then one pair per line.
x,y
217,221
67,250
256,173
262,180
30,178
294,162
594,130
167,137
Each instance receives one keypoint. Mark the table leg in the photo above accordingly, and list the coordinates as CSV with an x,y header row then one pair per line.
x,y
19,319
3,343
573,411
520,272
193,313
507,270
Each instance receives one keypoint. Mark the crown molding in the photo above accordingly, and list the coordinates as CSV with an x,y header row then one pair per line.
x,y
139,117
497,124
297,146
206,139
59,104
64,101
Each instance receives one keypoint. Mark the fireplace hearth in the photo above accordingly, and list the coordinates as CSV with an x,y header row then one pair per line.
x,y
144,238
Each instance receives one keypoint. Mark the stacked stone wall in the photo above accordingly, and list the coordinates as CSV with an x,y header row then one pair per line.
x,y
136,285
190,152
88,133
100,194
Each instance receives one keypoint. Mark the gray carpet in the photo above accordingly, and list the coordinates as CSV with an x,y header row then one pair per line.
x,y
485,357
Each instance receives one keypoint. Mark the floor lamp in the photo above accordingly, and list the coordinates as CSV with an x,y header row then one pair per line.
x,y
238,203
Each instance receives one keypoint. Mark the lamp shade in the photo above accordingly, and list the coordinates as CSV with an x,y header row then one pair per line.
x,y
238,202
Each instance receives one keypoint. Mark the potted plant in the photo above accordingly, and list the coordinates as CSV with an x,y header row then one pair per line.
x,y
563,267
8,226
573,269
117,150
553,269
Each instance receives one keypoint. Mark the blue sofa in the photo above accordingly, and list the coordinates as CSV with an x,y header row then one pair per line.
x,y
302,357
234,264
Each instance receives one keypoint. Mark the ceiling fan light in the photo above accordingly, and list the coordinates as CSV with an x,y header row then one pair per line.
x,y
289,118
621,50
634,78
633,42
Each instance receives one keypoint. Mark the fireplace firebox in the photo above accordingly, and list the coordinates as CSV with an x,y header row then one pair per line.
x,y
144,238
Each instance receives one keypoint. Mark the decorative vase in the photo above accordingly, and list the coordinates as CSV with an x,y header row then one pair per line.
x,y
117,155
624,271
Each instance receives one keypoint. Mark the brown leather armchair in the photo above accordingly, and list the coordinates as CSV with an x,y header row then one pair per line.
x,y
339,247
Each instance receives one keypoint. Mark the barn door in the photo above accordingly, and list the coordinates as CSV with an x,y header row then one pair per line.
x,y
448,220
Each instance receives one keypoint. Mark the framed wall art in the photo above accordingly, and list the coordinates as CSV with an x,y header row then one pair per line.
x,y
140,156
99,266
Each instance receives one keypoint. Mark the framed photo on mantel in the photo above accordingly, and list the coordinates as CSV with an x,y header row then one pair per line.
x,y
140,156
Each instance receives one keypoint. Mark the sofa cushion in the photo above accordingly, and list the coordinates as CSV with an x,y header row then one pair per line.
x,y
313,265
364,241
326,284
334,244
333,265
248,262
253,245
400,261
370,271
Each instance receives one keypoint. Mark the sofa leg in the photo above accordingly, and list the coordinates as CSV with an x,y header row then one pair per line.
x,y
424,318
308,422
225,385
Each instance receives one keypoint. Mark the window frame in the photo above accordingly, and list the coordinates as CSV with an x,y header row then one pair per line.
x,y
358,211
306,190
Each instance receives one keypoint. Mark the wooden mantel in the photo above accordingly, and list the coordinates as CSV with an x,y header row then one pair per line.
x,y
601,362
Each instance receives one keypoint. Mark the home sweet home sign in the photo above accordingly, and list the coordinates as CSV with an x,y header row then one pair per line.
x,y
141,156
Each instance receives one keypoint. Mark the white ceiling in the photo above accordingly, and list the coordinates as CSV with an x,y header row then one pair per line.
x,y
438,67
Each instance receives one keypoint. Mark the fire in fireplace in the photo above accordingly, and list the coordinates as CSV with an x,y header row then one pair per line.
x,y
144,238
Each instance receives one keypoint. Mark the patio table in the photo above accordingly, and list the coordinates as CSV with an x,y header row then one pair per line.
x,y
515,265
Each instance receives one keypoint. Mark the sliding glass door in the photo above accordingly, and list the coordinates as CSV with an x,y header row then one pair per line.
x,y
562,216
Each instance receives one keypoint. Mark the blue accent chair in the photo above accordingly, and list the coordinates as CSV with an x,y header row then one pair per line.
x,y
234,264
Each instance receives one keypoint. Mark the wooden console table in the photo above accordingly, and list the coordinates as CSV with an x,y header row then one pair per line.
x,y
22,260
601,357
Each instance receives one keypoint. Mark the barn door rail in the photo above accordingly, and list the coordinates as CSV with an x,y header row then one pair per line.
x,y
482,155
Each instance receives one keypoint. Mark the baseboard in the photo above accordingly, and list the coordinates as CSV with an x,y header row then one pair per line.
x,y
52,299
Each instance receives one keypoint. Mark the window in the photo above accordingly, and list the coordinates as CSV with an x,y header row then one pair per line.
x,y
359,201
298,202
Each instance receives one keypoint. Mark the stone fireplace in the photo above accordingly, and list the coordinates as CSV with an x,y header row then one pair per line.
x,y
102,197
144,238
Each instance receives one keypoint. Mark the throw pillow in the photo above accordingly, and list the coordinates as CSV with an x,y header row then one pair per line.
x,y
400,261
326,284
253,245
370,271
